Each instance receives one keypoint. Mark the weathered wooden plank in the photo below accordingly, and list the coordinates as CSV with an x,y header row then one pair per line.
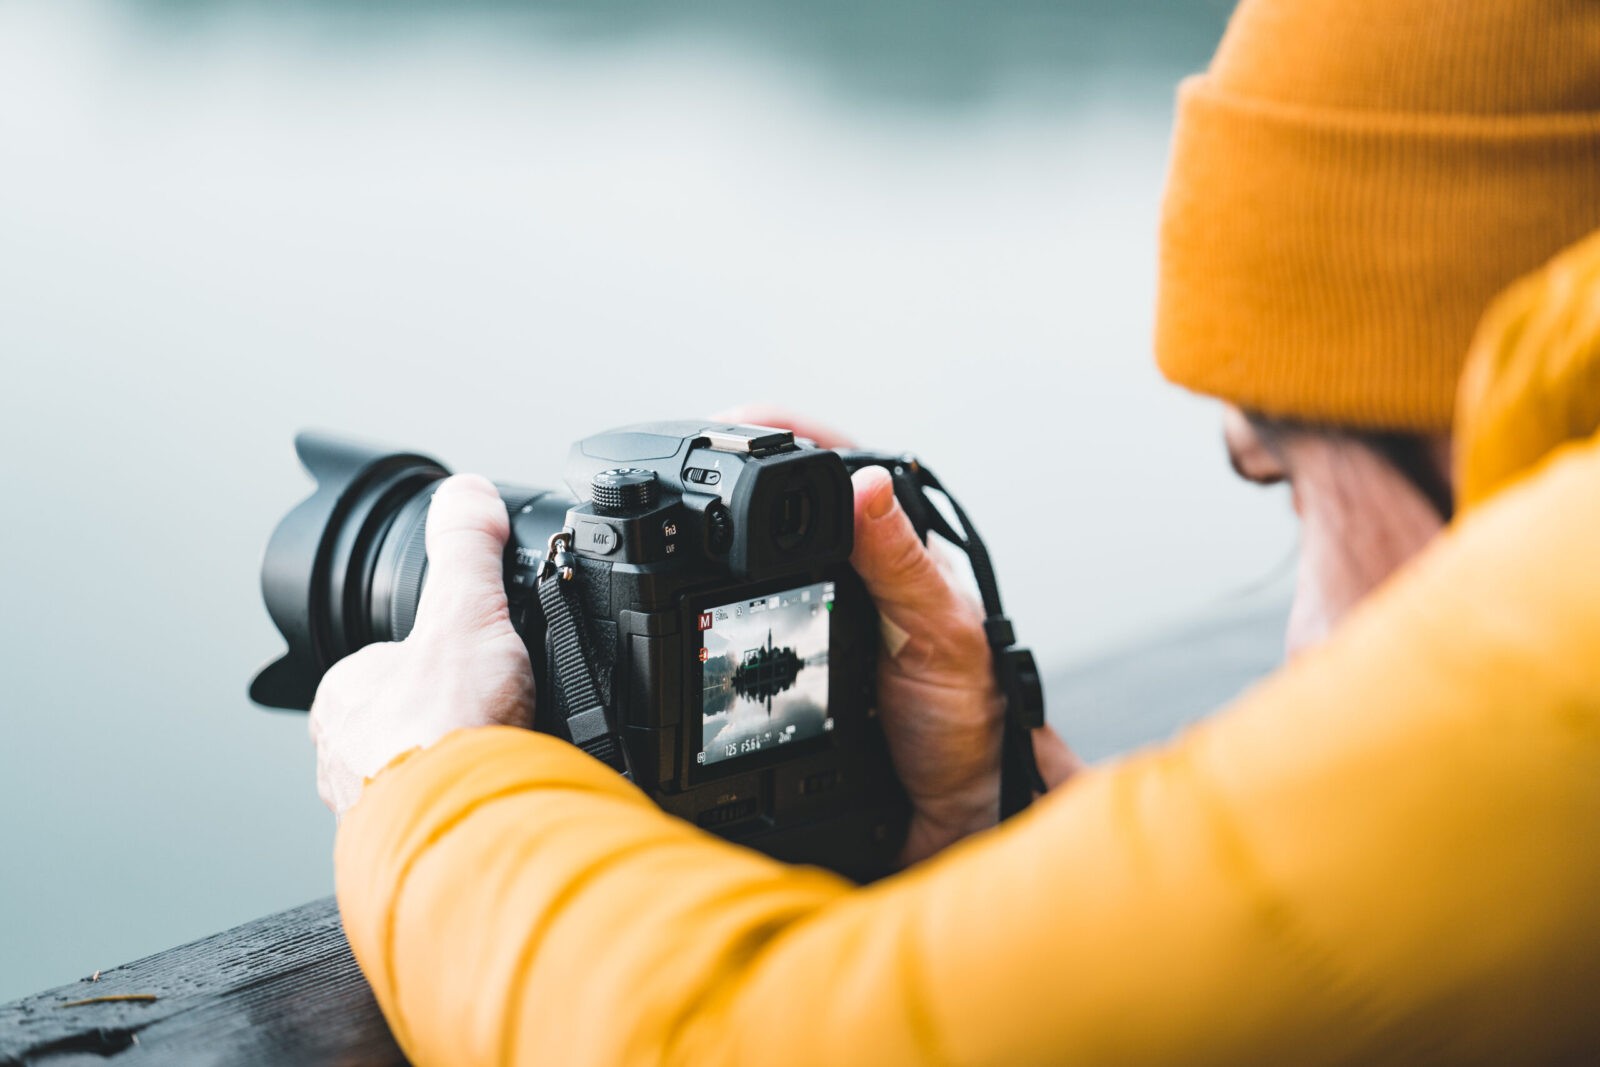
x,y
283,989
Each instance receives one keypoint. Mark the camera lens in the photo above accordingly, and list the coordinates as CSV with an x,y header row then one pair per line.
x,y
346,567
791,518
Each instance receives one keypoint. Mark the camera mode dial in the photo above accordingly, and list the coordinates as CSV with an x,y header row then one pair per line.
x,y
624,489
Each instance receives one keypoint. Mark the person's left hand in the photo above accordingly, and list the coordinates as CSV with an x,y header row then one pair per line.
x,y
942,710
463,664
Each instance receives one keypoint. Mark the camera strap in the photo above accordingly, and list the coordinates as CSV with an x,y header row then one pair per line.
x,y
588,722
1015,672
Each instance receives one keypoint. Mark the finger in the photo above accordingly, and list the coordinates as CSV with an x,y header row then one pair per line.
x,y
782,419
889,556
1057,763
926,623
466,537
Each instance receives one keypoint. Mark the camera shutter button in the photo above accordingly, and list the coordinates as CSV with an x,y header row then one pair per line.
x,y
624,489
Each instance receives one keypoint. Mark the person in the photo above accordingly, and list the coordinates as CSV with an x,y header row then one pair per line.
x,y
1384,853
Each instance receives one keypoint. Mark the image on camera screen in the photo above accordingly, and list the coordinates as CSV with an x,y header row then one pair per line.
x,y
764,672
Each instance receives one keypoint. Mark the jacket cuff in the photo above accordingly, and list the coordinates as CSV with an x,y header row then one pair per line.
x,y
422,793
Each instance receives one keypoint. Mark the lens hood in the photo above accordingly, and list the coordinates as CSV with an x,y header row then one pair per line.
x,y
319,562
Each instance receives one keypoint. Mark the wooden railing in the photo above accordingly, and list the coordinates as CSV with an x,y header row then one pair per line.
x,y
283,989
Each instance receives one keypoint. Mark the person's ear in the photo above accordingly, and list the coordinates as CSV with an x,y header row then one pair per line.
x,y
1252,457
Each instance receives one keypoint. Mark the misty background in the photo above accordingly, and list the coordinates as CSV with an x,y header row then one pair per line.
x,y
483,230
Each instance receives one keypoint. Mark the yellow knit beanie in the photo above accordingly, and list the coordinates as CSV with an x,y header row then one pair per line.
x,y
1352,181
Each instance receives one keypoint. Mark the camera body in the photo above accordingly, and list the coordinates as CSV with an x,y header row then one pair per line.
x,y
733,648
713,564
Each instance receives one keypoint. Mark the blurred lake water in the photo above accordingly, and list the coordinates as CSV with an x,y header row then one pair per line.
x,y
482,231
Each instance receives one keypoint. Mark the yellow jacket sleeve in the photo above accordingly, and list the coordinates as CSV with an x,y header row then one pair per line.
x,y
1387,853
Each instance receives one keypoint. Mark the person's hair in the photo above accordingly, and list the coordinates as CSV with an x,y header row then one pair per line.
x,y
1413,455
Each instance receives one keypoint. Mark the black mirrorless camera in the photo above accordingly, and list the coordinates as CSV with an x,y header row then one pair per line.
x,y
690,612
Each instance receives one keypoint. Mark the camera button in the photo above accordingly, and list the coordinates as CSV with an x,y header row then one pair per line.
x,y
820,782
703,475
600,538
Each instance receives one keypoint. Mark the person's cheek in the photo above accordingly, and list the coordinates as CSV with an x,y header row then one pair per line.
x,y
1296,502
1309,620
1334,574
1328,580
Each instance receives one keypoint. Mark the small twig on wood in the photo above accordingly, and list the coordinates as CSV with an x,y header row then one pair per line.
x,y
135,997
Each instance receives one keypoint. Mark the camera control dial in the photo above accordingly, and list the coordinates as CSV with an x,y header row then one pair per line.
x,y
624,489
719,529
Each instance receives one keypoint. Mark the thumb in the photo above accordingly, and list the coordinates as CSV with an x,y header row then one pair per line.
x,y
467,528
926,623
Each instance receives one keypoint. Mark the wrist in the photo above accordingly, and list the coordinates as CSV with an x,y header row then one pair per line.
x,y
937,824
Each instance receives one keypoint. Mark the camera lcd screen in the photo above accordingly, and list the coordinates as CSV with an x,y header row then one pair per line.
x,y
764,672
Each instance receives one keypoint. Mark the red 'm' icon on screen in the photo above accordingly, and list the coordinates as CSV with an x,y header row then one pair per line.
x,y
705,620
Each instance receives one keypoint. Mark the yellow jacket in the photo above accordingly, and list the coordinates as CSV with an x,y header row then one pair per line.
x,y
1389,852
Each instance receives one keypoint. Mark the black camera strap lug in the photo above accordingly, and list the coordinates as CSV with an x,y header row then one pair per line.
x,y
588,721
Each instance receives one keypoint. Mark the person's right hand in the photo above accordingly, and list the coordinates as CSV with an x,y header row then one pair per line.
x,y
942,710
462,666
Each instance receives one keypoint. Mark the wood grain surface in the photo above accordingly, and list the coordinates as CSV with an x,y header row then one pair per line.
x,y
283,989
